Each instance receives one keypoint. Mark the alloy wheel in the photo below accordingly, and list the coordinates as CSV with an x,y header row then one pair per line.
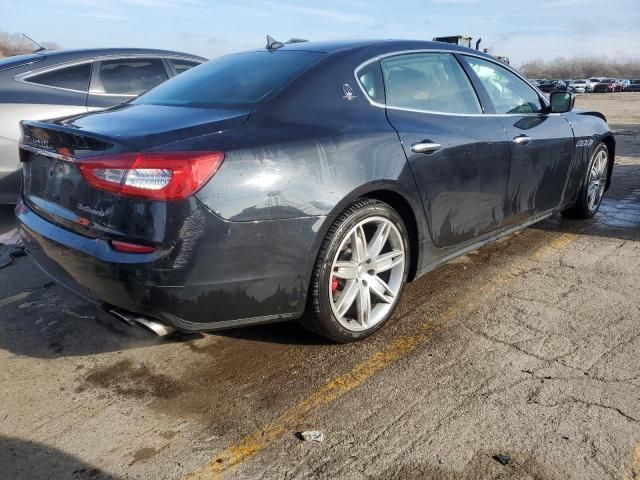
x,y
367,274
597,180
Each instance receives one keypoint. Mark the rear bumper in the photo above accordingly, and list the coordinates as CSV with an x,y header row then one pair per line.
x,y
238,273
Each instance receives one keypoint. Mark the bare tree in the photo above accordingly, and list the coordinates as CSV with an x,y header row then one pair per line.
x,y
16,44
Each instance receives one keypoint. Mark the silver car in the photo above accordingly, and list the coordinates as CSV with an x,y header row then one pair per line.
x,y
52,84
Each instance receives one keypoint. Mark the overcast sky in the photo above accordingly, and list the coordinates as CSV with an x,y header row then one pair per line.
x,y
521,30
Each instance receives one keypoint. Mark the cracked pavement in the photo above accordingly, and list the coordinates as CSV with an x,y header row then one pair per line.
x,y
529,348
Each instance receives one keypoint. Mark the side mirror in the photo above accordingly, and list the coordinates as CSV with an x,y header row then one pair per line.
x,y
562,102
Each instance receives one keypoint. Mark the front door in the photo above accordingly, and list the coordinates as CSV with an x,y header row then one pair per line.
x,y
459,157
541,142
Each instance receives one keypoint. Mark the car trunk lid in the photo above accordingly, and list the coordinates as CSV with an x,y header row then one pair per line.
x,y
51,152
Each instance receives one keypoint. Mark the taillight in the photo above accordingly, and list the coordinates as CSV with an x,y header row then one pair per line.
x,y
157,175
131,247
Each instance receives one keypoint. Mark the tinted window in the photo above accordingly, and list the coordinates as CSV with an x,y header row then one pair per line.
x,y
74,78
433,82
182,65
130,76
508,92
234,80
370,77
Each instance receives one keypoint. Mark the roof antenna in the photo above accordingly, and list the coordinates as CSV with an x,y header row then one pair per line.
x,y
273,44
40,47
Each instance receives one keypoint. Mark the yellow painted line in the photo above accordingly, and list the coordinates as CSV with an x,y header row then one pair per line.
x,y
634,472
14,298
256,441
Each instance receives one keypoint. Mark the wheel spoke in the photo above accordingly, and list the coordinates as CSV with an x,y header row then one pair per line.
x,y
378,240
358,244
364,305
387,261
345,270
347,297
380,289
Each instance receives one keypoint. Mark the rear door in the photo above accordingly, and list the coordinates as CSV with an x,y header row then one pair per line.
x,y
118,80
541,143
459,157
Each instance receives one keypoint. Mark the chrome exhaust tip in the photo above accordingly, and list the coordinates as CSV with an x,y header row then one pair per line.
x,y
157,328
160,329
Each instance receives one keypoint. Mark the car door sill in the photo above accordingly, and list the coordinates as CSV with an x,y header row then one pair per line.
x,y
459,250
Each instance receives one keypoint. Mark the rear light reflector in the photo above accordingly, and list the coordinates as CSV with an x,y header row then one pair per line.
x,y
127,247
157,175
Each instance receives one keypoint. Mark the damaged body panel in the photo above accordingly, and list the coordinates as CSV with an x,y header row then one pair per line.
x,y
207,209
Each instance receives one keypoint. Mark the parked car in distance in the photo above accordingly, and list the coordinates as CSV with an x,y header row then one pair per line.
x,y
608,85
592,83
634,86
553,86
625,83
579,86
308,180
49,84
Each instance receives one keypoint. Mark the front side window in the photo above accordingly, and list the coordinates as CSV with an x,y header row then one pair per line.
x,y
508,92
232,81
75,77
433,82
131,76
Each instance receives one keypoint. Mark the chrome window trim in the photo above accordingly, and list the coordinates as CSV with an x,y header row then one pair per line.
x,y
46,153
24,77
443,50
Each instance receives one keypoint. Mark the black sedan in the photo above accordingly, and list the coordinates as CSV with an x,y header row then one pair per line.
x,y
553,86
307,181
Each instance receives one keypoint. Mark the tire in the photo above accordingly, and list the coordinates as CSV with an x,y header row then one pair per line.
x,y
350,270
595,178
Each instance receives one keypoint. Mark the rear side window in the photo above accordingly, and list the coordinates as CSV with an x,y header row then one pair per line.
x,y
433,82
75,77
370,78
508,92
236,80
130,76
182,65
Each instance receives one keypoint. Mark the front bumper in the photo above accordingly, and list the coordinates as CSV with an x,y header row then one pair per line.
x,y
237,273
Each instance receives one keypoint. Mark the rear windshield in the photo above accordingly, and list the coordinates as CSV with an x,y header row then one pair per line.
x,y
237,80
17,60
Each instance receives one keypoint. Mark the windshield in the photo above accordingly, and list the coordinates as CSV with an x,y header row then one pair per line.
x,y
232,81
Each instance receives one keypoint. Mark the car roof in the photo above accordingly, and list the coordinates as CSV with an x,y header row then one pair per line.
x,y
382,44
75,54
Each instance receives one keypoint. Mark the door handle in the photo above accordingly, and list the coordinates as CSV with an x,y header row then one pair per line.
x,y
522,140
425,147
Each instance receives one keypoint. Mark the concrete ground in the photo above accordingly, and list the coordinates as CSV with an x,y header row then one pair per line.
x,y
518,361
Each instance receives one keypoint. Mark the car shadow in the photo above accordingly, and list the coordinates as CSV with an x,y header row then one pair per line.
x,y
27,460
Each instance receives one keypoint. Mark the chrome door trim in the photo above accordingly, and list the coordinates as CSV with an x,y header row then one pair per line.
x,y
450,51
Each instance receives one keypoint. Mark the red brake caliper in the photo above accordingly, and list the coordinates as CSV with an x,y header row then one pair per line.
x,y
334,284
